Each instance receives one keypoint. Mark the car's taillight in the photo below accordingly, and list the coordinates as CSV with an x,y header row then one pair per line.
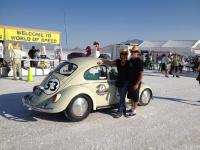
x,y
55,98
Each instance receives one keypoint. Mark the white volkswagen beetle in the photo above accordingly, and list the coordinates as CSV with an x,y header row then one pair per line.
x,y
77,87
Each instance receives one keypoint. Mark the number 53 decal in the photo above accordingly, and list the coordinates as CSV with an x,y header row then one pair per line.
x,y
51,86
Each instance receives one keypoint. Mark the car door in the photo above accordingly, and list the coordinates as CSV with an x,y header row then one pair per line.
x,y
99,85
112,77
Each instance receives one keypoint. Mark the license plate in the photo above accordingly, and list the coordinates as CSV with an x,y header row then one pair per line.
x,y
37,91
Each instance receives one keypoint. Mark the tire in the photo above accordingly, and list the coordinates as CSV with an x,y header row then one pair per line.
x,y
145,97
79,108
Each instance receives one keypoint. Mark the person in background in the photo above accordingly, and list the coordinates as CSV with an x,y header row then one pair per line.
x,y
135,76
175,64
31,55
36,56
162,65
88,51
198,70
166,63
157,61
16,59
122,79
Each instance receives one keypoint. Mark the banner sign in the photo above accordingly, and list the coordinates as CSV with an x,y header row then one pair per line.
x,y
1,33
31,35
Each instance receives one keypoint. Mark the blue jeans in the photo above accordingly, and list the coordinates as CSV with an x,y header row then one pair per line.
x,y
122,94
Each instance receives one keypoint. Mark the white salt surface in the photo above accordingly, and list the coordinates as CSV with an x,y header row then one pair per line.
x,y
170,121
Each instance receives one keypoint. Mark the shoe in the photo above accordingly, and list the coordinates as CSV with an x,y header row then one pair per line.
x,y
132,113
20,78
118,115
14,79
173,75
167,76
177,76
125,114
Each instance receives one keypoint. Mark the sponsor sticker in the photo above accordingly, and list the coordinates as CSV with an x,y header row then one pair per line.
x,y
101,89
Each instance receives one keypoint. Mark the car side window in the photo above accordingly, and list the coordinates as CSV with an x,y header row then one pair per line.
x,y
113,73
96,73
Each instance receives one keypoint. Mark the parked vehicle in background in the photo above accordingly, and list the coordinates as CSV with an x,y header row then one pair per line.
x,y
105,56
75,55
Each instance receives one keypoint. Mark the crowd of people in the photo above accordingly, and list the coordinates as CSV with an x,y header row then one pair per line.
x,y
16,59
170,64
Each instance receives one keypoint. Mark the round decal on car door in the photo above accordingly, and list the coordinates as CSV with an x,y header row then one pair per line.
x,y
51,86
101,89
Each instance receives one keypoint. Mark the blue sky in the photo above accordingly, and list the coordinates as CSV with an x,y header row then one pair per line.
x,y
107,21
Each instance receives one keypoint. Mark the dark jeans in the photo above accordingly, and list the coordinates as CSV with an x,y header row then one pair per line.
x,y
122,94
32,64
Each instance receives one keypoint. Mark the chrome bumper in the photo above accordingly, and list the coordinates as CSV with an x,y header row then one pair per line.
x,y
26,102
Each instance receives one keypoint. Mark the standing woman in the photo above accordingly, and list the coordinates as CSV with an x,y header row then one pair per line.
x,y
122,79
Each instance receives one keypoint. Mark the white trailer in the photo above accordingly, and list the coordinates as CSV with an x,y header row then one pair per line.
x,y
114,50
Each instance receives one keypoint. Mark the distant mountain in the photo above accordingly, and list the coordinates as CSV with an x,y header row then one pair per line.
x,y
128,42
134,41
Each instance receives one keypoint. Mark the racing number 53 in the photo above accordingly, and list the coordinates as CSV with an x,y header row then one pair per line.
x,y
51,86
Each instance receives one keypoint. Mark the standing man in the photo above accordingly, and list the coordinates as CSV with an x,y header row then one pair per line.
x,y
31,55
17,55
135,77
166,65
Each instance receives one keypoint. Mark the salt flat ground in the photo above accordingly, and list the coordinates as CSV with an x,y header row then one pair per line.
x,y
170,121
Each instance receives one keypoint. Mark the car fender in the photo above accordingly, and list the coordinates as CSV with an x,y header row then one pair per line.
x,y
70,92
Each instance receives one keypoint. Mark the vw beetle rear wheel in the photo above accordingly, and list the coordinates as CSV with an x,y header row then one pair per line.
x,y
79,108
145,97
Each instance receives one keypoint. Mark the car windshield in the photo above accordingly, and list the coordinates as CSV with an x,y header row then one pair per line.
x,y
66,68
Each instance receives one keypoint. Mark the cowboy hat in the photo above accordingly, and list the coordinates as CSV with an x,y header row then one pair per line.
x,y
135,48
123,50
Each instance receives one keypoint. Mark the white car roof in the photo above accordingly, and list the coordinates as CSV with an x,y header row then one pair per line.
x,y
85,61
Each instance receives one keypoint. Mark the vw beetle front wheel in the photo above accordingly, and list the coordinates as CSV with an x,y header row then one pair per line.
x,y
145,97
79,108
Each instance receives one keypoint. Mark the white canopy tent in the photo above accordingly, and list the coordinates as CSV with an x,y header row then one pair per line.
x,y
196,48
159,47
182,47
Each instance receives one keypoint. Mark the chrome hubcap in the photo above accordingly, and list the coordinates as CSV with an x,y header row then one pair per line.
x,y
80,106
146,95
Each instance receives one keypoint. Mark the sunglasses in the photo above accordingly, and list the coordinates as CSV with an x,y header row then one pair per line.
x,y
123,53
134,52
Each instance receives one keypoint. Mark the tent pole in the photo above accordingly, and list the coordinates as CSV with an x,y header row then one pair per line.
x,y
4,42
